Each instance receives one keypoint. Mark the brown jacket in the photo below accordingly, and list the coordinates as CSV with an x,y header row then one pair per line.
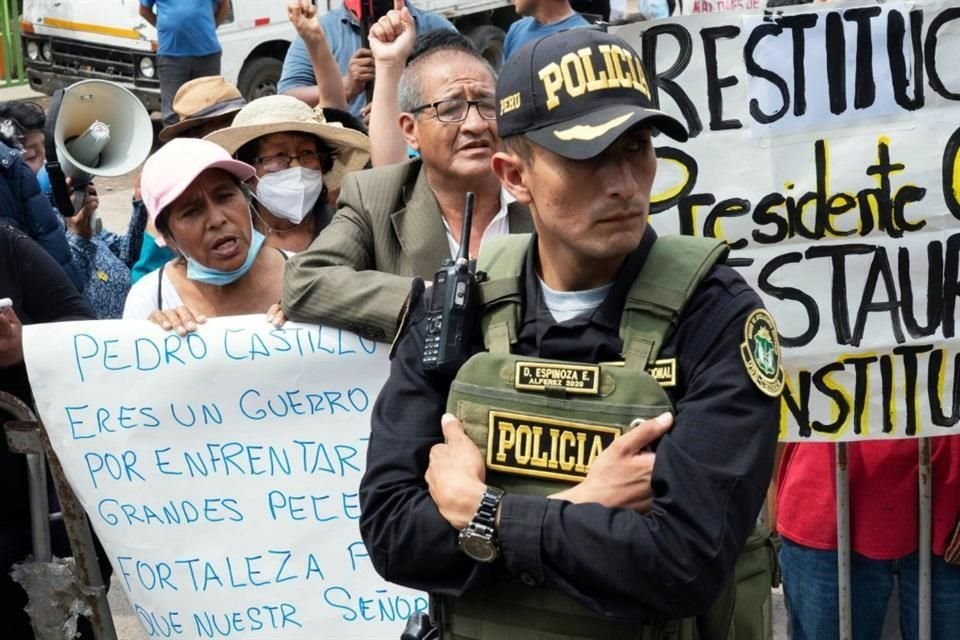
x,y
387,229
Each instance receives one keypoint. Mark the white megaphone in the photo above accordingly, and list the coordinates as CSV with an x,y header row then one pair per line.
x,y
94,128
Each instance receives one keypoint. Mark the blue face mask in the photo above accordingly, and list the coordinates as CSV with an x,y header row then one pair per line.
x,y
206,275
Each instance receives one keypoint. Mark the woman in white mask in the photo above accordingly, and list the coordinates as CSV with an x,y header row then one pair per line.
x,y
299,158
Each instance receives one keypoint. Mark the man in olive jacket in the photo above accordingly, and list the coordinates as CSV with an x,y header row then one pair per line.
x,y
400,221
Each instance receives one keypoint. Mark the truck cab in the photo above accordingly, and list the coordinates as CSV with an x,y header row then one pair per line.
x,y
67,41
64,42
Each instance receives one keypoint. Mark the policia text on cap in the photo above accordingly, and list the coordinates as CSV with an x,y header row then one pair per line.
x,y
542,491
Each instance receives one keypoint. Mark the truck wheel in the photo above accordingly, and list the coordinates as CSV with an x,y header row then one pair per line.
x,y
489,40
259,78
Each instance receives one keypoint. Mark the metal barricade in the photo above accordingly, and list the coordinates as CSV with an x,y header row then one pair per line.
x,y
13,73
25,435
924,547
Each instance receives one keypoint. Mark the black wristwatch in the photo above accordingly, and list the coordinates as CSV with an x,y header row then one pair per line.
x,y
479,538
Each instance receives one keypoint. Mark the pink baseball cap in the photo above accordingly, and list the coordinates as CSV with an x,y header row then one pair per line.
x,y
172,169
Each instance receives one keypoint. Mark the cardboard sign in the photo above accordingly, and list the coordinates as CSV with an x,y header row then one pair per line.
x,y
825,149
221,471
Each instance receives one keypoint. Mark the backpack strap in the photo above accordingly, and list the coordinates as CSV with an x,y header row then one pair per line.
x,y
501,293
160,287
673,270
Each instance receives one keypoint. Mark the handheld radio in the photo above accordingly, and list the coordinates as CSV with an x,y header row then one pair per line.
x,y
453,306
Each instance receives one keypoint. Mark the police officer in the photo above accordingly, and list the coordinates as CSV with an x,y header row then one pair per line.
x,y
594,469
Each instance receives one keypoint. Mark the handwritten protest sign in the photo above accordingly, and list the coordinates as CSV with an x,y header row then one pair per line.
x,y
221,471
826,150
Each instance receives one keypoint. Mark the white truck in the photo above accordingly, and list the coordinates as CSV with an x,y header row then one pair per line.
x,y
69,40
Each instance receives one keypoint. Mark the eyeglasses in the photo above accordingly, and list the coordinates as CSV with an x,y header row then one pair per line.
x,y
281,161
456,109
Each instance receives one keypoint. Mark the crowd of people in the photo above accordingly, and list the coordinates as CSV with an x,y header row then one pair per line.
x,y
336,202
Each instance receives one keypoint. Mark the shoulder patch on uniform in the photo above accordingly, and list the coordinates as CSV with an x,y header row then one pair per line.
x,y
760,351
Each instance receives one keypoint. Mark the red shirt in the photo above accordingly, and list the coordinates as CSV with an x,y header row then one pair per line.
x,y
353,6
883,495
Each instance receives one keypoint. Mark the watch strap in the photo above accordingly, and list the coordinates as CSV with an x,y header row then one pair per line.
x,y
487,511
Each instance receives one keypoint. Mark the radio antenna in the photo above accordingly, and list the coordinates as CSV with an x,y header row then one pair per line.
x,y
463,256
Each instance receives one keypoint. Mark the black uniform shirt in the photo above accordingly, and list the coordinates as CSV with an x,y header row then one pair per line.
x,y
709,481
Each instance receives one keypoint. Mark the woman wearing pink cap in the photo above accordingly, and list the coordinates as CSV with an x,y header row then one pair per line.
x,y
194,194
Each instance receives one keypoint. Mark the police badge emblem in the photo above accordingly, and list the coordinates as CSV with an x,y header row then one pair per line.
x,y
760,351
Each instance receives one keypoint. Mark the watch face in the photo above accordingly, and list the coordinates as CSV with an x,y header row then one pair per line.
x,y
480,548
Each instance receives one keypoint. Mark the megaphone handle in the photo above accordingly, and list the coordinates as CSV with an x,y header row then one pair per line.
x,y
50,126
58,181
61,195
77,197
81,182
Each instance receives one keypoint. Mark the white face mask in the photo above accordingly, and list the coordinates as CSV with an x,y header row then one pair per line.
x,y
290,194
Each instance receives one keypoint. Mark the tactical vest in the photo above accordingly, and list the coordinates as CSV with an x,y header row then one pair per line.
x,y
539,423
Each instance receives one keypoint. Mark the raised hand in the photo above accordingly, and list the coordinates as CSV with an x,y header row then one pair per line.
x,y
392,37
303,17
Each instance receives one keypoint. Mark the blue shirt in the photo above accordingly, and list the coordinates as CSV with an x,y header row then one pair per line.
x,y
342,31
185,27
105,259
152,257
655,9
526,29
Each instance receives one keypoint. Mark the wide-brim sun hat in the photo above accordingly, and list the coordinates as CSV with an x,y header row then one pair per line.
x,y
286,114
171,170
200,101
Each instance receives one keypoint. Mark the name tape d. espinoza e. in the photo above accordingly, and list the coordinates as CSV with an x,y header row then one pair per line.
x,y
573,378
578,378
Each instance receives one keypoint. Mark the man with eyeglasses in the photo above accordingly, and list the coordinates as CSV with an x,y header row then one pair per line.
x,y
400,221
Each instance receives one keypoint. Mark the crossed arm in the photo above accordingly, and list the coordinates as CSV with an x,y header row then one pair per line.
x,y
671,561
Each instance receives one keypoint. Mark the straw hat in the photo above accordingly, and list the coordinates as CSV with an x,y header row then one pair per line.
x,y
202,100
286,114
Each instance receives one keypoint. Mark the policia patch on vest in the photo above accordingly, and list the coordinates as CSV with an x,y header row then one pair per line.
x,y
760,351
545,447
572,378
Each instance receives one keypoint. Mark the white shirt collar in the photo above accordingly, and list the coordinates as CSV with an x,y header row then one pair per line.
x,y
499,225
